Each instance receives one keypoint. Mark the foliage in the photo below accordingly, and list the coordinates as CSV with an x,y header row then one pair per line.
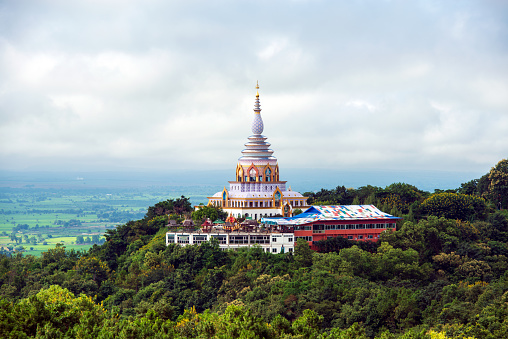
x,y
303,253
93,267
338,196
52,312
400,196
177,206
455,206
498,184
432,277
212,212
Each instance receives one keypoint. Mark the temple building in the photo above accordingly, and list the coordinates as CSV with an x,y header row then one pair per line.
x,y
257,190
353,222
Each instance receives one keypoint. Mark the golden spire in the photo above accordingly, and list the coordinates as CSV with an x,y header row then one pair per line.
x,y
257,87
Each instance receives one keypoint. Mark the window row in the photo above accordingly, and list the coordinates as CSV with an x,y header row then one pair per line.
x,y
269,203
221,239
280,239
320,228
256,176
361,237
304,238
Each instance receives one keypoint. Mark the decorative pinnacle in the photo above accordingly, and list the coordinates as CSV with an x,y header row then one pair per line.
x,y
257,124
257,107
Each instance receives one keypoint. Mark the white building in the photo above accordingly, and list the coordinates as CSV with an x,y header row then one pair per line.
x,y
269,242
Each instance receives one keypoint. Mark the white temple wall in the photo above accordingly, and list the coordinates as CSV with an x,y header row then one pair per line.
x,y
256,187
255,213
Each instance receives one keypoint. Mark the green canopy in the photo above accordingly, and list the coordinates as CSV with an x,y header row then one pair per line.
x,y
218,221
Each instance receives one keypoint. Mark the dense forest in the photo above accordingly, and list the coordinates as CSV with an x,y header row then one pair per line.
x,y
441,274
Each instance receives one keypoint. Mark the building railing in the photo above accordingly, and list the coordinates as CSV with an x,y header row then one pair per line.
x,y
217,231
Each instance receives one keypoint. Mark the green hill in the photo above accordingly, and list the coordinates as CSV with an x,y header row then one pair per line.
x,y
441,274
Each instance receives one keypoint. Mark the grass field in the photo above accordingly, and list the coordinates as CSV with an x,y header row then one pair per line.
x,y
36,250
35,216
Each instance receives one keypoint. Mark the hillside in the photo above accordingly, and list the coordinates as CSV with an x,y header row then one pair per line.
x,y
441,274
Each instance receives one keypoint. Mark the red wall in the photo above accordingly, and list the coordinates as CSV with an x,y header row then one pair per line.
x,y
375,232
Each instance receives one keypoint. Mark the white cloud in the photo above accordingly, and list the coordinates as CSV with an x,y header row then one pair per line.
x,y
361,104
273,48
171,85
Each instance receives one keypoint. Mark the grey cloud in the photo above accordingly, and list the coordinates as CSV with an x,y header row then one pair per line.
x,y
389,84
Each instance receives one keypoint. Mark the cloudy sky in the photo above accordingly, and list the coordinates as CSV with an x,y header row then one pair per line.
x,y
154,85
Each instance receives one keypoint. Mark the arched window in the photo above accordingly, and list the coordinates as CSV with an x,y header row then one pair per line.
x,y
286,211
239,173
268,174
252,174
277,197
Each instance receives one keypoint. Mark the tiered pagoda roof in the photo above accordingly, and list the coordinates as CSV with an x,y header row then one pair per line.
x,y
257,150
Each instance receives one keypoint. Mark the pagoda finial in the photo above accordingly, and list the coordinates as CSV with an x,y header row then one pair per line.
x,y
257,124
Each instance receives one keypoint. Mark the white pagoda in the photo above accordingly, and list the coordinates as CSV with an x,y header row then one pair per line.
x,y
257,191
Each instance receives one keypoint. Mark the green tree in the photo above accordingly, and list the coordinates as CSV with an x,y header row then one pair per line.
x,y
367,193
401,196
179,206
498,186
356,331
338,196
90,265
308,325
499,226
212,212
394,211
428,237
54,255
56,312
370,200
303,253
362,262
470,187
455,206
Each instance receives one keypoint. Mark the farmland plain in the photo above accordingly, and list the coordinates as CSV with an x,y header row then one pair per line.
x,y
32,220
